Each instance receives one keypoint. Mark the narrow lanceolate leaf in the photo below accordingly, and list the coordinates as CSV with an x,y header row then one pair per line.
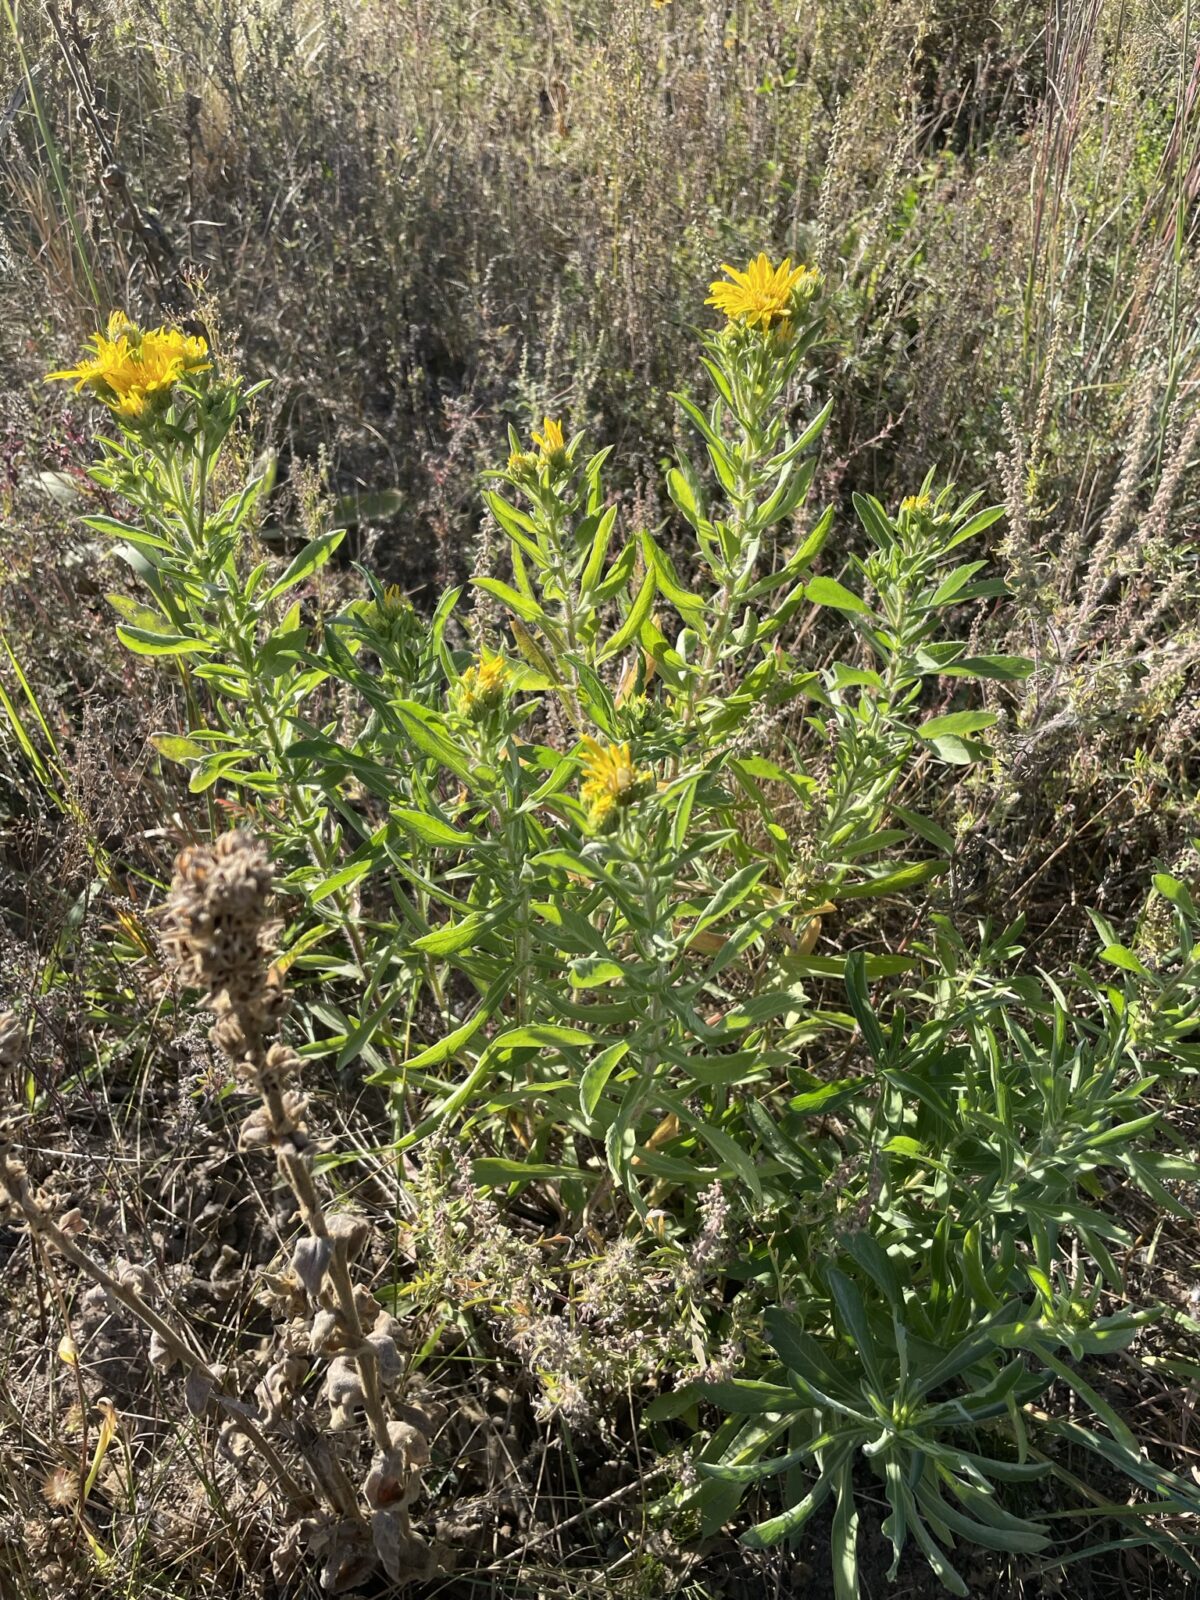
x,y
597,1073
638,612
432,830
829,592
591,972
315,554
145,643
454,936
957,723
177,748
684,496
1007,669
427,732
528,609
728,896
892,882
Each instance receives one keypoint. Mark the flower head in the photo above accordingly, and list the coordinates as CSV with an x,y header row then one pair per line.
x,y
916,504
610,780
482,686
551,446
762,296
132,371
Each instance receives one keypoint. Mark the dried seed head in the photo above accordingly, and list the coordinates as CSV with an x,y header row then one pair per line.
x,y
327,1334
62,1488
393,1478
280,1383
310,1262
218,924
262,1128
344,1392
382,1340
405,1555
281,1068
12,1039
349,1233
136,1278
162,1357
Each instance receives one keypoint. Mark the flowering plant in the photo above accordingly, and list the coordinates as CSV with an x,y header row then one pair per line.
x,y
579,876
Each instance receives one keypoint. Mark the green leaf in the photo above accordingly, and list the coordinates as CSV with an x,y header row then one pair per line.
x,y
691,607
638,612
493,1172
597,1073
589,972
1118,955
453,1042
843,1538
957,723
133,611
685,497
728,896
427,732
214,767
829,592
177,748
453,936
341,880
892,882
143,642
875,520
430,829
754,1471
1006,669
860,1004
764,1534
590,575
528,610
926,829
956,752
123,530
950,585
981,520
818,1102
1176,892
853,1313
315,554
726,1148
1122,1133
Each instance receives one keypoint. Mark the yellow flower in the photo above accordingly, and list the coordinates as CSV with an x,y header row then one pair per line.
x,y
522,463
131,370
482,686
763,295
916,504
610,780
550,444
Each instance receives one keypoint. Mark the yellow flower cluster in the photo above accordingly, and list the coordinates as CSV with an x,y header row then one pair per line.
x,y
916,504
550,443
610,780
763,296
551,451
481,687
131,371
